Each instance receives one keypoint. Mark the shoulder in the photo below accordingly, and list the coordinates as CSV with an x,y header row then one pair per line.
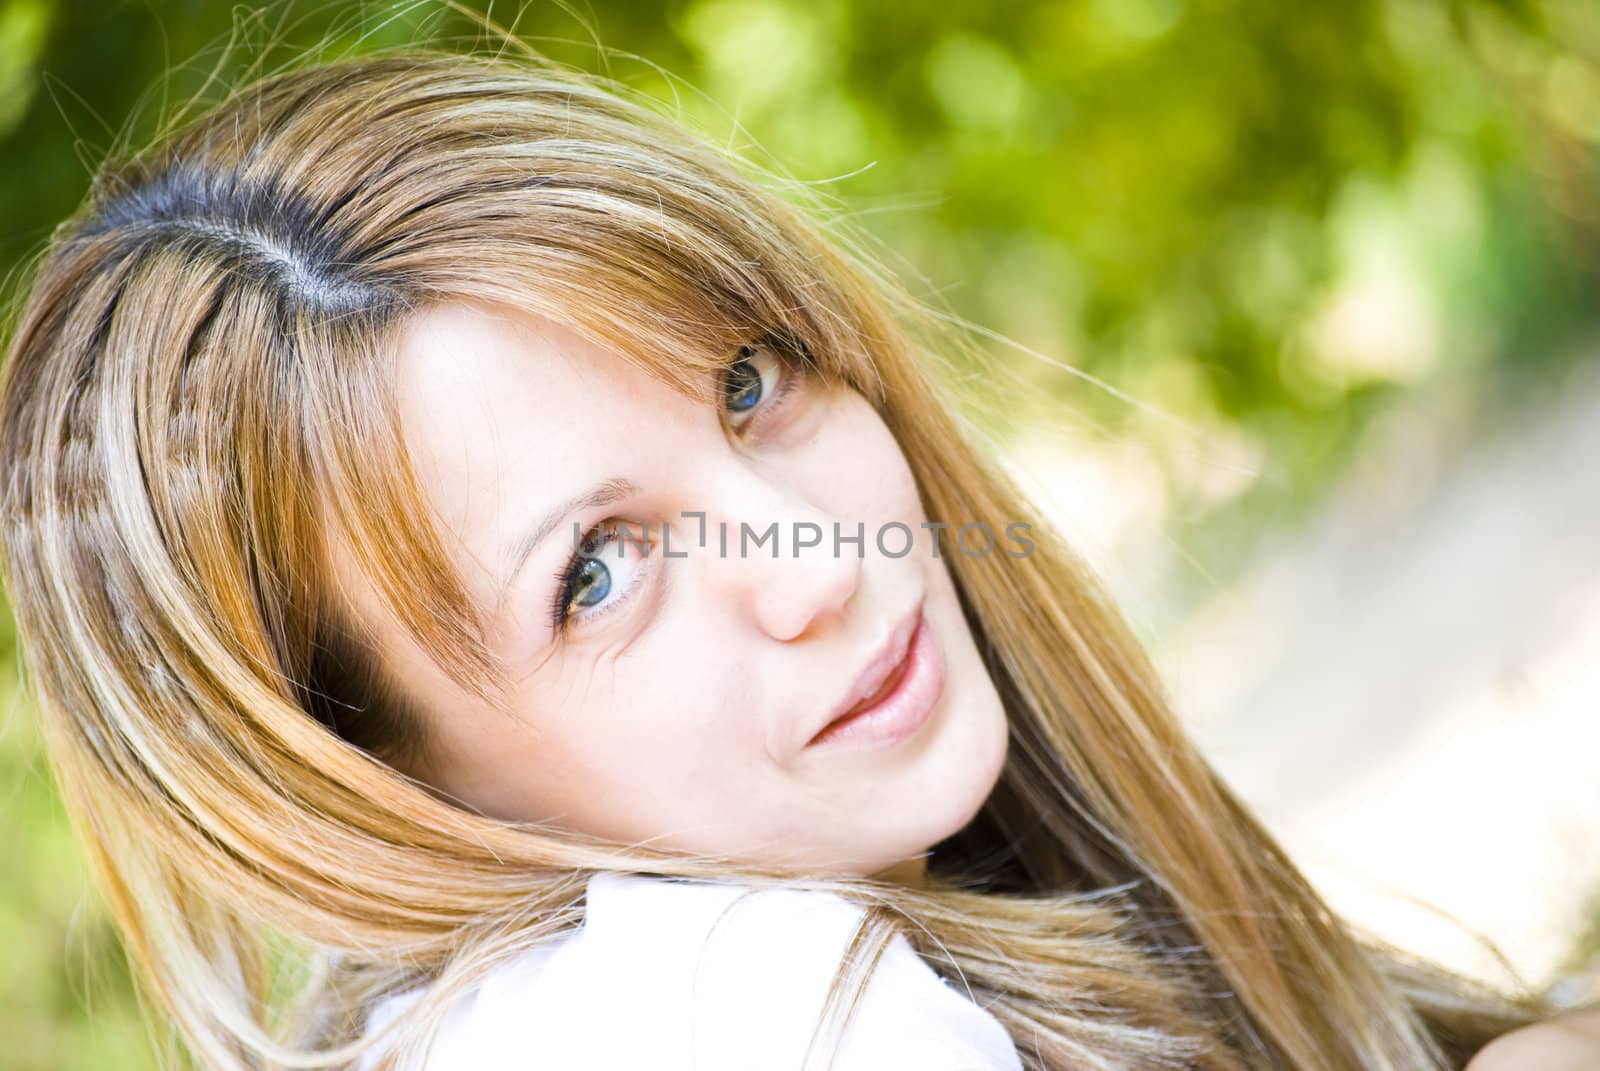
x,y
678,975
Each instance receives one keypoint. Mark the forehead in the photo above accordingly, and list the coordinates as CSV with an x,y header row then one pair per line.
x,y
493,400
494,357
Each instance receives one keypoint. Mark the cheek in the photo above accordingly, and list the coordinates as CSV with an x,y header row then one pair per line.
x,y
644,765
854,464
669,707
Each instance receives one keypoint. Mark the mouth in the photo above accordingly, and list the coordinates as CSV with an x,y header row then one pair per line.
x,y
895,691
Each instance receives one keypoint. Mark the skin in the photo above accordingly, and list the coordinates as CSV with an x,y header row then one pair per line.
x,y
1569,1042
677,710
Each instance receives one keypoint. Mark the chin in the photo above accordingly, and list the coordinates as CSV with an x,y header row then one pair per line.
x,y
942,797
953,796
985,757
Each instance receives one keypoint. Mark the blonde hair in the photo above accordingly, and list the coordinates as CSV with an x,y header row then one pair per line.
x,y
196,404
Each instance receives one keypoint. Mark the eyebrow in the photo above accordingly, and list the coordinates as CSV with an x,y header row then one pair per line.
x,y
603,493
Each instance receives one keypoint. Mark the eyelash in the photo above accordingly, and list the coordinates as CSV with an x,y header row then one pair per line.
x,y
566,578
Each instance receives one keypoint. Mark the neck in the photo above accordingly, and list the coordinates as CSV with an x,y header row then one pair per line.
x,y
911,871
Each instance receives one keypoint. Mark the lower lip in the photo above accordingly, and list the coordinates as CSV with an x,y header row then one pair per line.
x,y
906,709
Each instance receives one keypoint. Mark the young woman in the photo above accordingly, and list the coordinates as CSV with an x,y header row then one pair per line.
x,y
503,584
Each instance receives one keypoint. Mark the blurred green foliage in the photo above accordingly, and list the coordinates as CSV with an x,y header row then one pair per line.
x,y
1269,220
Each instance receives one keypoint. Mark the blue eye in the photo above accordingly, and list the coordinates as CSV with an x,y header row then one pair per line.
x,y
756,384
587,578
757,375
590,581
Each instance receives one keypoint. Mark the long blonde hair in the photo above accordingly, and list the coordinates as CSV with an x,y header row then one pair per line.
x,y
196,402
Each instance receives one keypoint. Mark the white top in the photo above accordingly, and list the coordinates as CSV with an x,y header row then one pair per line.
x,y
659,977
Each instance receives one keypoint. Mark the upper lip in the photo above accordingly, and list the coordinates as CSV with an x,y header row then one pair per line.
x,y
887,654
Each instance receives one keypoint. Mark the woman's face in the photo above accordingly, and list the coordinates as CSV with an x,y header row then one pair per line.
x,y
677,701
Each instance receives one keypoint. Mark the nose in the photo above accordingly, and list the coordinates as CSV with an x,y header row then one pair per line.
x,y
771,549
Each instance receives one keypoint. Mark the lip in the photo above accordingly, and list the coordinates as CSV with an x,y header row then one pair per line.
x,y
912,661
